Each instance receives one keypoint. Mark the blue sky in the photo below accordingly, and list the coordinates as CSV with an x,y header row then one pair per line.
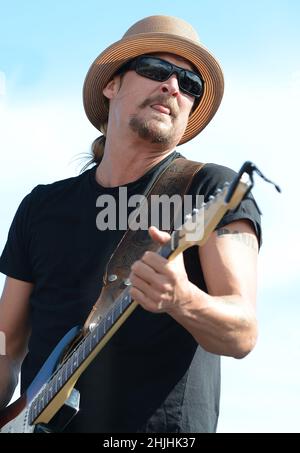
x,y
46,48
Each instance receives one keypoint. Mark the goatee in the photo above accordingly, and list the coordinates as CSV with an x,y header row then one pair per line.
x,y
152,132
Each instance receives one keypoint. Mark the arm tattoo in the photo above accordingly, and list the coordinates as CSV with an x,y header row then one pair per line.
x,y
246,238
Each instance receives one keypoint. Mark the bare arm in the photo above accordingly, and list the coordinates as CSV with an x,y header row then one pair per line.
x,y
14,325
223,321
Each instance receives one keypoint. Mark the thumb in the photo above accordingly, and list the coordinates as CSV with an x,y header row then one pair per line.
x,y
159,236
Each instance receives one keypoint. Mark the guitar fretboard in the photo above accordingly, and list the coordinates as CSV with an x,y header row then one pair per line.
x,y
84,348
78,356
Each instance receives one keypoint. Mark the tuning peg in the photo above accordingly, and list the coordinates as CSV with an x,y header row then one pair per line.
x,y
226,184
195,211
218,191
211,198
188,217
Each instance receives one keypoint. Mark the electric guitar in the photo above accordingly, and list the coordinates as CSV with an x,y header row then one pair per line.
x,y
51,400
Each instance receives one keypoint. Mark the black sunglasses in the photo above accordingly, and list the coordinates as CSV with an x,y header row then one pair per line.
x,y
160,70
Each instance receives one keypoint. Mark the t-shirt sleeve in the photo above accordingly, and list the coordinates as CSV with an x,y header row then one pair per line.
x,y
212,177
15,259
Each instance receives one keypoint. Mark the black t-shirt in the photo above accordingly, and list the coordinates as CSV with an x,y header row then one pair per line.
x,y
151,376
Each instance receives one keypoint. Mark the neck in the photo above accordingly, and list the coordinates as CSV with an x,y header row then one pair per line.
x,y
124,163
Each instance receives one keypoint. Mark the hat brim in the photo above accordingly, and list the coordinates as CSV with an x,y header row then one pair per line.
x,y
107,63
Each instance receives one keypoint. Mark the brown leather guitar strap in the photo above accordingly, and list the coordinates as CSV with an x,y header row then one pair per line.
x,y
175,178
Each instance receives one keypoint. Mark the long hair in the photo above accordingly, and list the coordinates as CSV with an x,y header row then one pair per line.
x,y
97,148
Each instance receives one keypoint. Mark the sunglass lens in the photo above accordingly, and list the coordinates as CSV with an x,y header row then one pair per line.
x,y
153,68
191,83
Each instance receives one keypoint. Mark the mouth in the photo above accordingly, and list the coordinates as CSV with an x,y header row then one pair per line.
x,y
161,108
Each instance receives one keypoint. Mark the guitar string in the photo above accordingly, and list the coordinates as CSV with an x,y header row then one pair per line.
x,y
117,307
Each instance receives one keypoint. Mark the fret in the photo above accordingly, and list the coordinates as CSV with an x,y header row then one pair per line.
x,y
54,384
46,398
70,367
100,331
97,332
121,304
118,308
127,300
75,360
38,405
104,326
50,391
59,378
31,413
43,399
112,317
34,409
30,417
89,340
115,310
94,338
86,347
80,353
63,373
108,322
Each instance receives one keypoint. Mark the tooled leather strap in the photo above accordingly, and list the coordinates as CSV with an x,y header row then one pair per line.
x,y
176,178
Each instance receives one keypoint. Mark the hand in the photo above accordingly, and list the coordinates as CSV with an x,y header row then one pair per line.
x,y
159,285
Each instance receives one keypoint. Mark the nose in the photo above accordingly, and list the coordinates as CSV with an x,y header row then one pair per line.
x,y
170,86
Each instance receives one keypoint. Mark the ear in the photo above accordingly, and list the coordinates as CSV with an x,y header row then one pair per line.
x,y
111,88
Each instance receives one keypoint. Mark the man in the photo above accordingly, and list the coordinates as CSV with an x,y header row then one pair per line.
x,y
154,89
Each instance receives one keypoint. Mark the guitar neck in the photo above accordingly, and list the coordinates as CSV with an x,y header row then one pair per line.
x,y
89,346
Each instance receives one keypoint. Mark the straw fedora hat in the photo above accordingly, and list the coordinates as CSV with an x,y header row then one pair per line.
x,y
149,35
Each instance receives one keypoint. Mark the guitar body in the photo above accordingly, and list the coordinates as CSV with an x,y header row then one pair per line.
x,y
14,418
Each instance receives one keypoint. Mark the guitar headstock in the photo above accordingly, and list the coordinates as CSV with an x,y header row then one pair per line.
x,y
203,220
199,225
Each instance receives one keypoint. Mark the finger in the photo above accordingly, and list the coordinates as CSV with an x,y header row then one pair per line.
x,y
149,275
139,297
144,287
160,265
161,237
143,271
154,260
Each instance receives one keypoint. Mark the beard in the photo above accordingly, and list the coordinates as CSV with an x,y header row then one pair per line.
x,y
152,131
155,130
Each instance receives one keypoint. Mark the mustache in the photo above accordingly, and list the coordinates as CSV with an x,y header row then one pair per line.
x,y
166,101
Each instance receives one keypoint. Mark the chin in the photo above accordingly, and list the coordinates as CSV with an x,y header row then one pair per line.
x,y
153,131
